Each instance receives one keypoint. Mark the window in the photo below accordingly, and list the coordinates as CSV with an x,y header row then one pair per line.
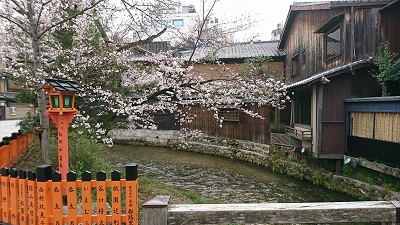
x,y
229,114
303,108
333,43
178,22
332,36
295,65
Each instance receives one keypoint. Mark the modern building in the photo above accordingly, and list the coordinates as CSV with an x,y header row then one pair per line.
x,y
277,33
179,22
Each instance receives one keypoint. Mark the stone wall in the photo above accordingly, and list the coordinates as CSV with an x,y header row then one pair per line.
x,y
355,188
276,159
152,137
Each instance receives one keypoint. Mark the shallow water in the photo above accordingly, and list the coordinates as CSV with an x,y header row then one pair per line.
x,y
218,179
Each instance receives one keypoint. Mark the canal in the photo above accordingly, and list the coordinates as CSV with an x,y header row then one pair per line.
x,y
220,180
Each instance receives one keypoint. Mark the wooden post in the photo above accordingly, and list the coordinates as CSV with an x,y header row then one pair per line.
x,y
14,195
57,198
101,198
132,194
44,209
5,197
72,201
155,211
32,198
23,198
116,197
87,197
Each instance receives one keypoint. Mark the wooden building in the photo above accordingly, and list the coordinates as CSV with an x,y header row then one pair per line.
x,y
390,32
237,125
329,56
10,108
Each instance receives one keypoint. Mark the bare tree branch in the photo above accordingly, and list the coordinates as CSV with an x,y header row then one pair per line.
x,y
68,18
40,14
22,11
205,17
15,23
137,43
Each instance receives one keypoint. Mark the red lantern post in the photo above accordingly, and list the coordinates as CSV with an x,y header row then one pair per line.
x,y
61,110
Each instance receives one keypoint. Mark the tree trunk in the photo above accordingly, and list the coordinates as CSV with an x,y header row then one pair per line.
x,y
384,90
37,66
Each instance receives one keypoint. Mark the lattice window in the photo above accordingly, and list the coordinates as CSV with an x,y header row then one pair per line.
x,y
229,114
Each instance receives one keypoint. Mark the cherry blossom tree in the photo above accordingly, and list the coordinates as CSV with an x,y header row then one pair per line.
x,y
82,41
28,43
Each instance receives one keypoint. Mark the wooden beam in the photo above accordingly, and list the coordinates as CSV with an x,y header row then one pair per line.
x,y
277,213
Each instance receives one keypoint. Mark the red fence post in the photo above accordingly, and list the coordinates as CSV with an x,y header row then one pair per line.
x,y
32,204
44,194
116,197
101,198
23,199
72,202
87,198
131,194
3,153
14,196
5,195
57,203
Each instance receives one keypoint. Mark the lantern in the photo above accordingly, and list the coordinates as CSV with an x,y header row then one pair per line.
x,y
61,94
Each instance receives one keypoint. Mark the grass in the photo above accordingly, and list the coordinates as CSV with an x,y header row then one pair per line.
x,y
372,177
148,187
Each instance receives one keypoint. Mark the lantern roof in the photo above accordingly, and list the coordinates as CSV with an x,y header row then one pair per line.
x,y
63,85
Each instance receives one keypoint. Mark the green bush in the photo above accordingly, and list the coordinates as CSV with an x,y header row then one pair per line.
x,y
84,154
29,124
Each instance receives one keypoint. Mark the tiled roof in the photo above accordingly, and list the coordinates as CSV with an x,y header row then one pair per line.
x,y
63,85
350,66
237,51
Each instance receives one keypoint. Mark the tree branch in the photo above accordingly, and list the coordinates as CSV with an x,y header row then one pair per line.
x,y
68,18
137,43
15,23
186,85
40,14
205,17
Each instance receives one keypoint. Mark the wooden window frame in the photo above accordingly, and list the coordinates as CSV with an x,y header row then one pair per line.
x,y
229,114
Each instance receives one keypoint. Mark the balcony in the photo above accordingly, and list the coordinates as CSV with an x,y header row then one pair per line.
x,y
303,135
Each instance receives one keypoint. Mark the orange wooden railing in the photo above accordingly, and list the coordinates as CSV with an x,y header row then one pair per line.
x,y
13,148
42,198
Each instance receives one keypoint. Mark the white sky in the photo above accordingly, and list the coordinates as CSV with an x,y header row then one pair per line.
x,y
266,13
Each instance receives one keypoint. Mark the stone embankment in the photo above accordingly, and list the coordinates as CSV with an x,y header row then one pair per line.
x,y
276,159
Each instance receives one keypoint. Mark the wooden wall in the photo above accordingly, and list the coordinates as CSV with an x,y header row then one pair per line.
x,y
248,128
302,36
390,28
210,71
350,85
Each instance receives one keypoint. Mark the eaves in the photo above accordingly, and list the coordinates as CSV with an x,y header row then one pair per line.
x,y
366,61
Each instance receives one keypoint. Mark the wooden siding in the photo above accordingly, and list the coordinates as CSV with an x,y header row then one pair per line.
x,y
333,115
248,128
364,28
367,32
333,127
390,28
210,71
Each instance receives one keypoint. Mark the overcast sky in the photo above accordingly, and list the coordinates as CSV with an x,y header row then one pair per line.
x,y
267,14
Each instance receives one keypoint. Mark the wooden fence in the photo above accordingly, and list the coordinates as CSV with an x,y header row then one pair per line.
x,y
157,211
376,125
13,148
42,198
